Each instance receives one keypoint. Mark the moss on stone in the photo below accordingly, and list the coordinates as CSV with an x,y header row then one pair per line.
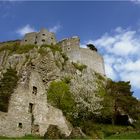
x,y
54,48
78,66
17,48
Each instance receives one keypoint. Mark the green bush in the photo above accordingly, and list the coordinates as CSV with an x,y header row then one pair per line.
x,y
16,48
78,66
54,48
7,85
11,47
59,96
24,48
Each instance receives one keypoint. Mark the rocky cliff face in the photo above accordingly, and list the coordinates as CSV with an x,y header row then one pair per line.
x,y
29,110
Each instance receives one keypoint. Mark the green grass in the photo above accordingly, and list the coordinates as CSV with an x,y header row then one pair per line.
x,y
125,136
24,137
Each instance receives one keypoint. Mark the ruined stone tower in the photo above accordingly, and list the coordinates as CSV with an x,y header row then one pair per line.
x,y
40,38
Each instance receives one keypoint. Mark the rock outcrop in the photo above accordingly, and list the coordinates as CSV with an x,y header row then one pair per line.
x,y
29,111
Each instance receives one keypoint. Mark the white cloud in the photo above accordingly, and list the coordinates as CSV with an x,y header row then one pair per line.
x,y
135,1
109,71
55,28
26,29
122,43
121,51
133,77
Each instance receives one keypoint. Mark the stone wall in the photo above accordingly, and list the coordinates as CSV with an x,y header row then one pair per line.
x,y
40,38
29,38
29,112
88,57
92,59
70,44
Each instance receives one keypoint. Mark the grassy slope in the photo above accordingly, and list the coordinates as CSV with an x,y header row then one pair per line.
x,y
25,137
125,136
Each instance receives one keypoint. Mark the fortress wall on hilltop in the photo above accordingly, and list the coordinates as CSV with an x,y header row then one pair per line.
x,y
88,57
71,46
92,59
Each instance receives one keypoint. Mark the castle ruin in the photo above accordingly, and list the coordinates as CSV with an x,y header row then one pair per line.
x,y
71,46
28,111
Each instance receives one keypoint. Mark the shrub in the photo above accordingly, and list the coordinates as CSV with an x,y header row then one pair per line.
x,y
11,47
7,86
16,48
78,66
54,48
25,48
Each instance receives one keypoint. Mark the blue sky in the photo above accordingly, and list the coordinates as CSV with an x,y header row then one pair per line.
x,y
113,27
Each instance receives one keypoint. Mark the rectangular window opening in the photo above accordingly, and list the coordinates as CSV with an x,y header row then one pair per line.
x,y
20,125
31,107
34,90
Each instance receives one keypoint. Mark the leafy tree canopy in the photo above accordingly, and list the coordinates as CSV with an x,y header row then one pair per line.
x,y
92,47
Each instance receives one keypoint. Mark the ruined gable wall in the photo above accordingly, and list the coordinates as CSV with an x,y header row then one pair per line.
x,y
35,120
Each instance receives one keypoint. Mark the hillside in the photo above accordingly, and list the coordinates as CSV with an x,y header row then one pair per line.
x,y
44,93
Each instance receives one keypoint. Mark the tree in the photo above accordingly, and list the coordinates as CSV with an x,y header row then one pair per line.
x,y
59,96
92,47
122,98
7,86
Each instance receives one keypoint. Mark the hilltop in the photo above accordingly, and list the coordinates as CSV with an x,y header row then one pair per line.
x,y
58,90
